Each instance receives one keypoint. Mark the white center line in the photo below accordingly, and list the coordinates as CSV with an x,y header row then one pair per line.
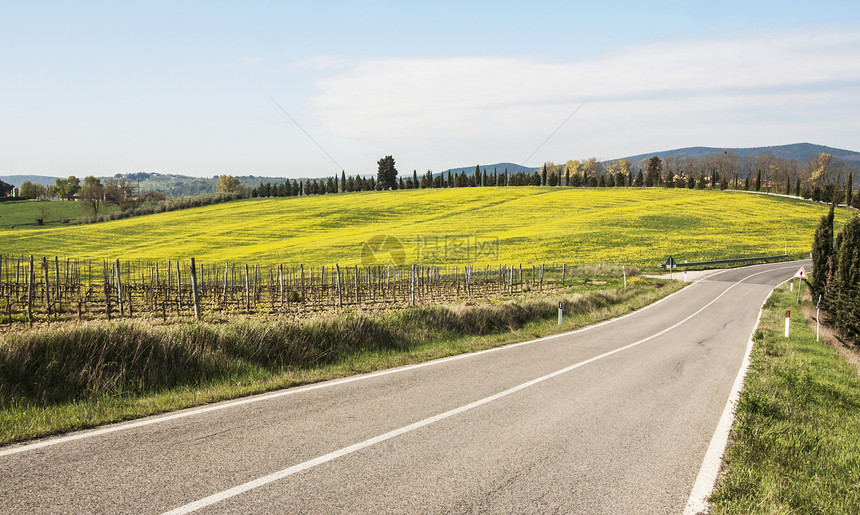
x,y
281,474
293,391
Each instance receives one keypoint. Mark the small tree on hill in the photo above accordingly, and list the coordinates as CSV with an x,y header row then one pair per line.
x,y
227,184
93,194
386,176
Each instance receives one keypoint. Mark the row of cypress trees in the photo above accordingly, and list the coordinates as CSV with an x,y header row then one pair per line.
x,y
836,274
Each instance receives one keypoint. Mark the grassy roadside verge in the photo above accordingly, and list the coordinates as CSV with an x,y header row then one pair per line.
x,y
75,376
795,445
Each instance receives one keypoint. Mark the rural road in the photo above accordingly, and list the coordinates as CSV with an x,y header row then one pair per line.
x,y
615,418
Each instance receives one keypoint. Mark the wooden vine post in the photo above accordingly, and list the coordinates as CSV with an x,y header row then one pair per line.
x,y
195,295
119,289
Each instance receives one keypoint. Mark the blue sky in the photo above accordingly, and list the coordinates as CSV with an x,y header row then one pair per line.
x,y
191,87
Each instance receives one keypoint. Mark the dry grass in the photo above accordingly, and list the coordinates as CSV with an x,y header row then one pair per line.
x,y
848,352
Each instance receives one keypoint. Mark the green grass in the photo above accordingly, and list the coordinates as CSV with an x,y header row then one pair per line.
x,y
61,378
795,446
528,225
23,214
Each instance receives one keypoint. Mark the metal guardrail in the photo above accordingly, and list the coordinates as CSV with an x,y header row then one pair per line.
x,y
725,261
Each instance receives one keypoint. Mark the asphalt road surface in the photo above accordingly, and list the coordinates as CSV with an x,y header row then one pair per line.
x,y
615,418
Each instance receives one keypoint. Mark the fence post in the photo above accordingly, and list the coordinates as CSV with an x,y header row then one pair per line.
x,y
47,284
247,290
31,279
413,285
302,274
57,291
339,287
119,289
224,291
194,294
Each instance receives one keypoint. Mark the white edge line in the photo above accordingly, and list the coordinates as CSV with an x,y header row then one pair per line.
x,y
281,474
710,469
50,441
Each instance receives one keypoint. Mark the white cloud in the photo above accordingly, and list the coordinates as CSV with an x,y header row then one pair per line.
x,y
754,80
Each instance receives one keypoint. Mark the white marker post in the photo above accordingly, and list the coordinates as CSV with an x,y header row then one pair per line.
x,y
559,313
787,322
623,270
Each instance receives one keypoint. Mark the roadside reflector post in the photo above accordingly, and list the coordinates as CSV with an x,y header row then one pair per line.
x,y
560,312
624,271
791,285
787,321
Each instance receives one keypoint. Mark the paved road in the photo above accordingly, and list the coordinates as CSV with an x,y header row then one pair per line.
x,y
612,419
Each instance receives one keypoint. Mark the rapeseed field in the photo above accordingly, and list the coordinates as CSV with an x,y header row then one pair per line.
x,y
527,225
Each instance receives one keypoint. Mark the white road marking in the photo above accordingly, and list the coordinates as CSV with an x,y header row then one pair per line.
x,y
710,469
281,474
296,390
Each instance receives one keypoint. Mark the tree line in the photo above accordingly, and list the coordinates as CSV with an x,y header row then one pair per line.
x,y
836,274
821,178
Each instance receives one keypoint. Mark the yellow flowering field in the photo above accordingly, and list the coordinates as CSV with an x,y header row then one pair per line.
x,y
510,225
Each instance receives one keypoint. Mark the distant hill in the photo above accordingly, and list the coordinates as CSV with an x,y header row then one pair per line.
x,y
799,151
499,167
169,184
16,180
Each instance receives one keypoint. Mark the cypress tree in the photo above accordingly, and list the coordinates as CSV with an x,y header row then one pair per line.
x,y
787,185
797,187
822,253
450,179
758,181
414,179
386,176
543,176
849,189
846,282
342,180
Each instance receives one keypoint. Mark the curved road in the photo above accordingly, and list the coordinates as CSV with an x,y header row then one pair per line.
x,y
614,418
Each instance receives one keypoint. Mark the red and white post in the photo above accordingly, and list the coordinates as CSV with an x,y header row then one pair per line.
x,y
787,322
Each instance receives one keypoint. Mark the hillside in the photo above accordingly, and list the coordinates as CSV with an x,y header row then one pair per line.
x,y
798,151
450,226
181,185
